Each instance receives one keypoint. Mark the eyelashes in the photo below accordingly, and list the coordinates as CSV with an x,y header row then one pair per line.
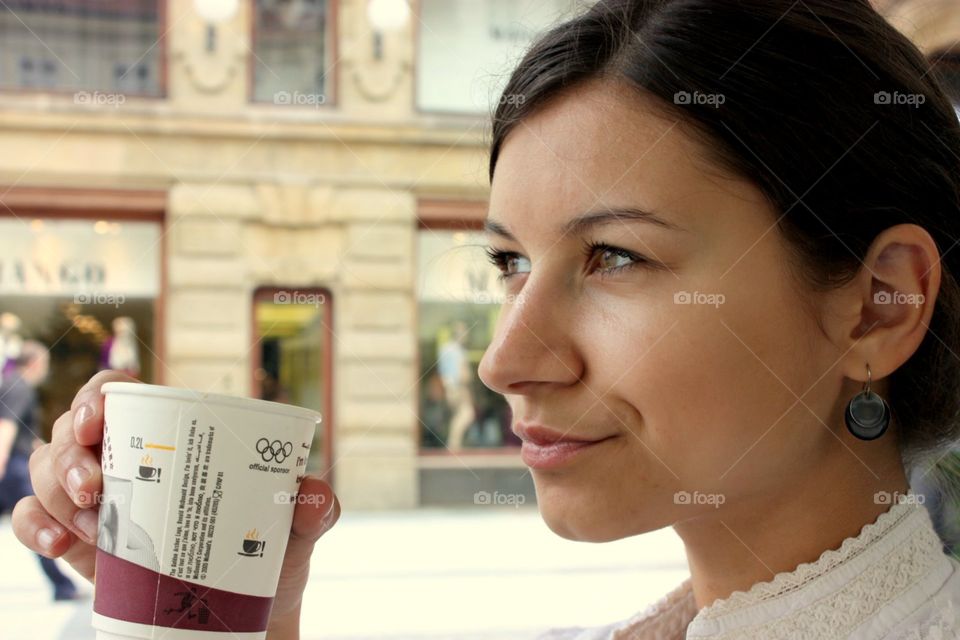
x,y
501,260
593,252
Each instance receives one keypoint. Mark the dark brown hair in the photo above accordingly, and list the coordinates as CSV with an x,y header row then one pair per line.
x,y
830,111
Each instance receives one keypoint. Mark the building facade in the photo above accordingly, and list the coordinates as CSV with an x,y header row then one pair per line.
x,y
281,199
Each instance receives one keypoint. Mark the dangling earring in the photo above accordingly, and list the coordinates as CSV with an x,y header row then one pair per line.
x,y
867,415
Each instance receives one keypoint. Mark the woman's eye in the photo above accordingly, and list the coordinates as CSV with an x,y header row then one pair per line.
x,y
508,262
607,259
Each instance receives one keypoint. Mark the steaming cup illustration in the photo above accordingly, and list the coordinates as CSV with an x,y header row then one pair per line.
x,y
187,508
147,472
252,546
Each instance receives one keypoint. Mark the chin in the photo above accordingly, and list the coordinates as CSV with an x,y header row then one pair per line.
x,y
586,517
578,517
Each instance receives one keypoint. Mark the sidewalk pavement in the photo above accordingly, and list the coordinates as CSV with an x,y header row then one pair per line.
x,y
487,573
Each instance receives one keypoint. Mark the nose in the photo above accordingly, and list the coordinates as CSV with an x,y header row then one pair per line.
x,y
532,347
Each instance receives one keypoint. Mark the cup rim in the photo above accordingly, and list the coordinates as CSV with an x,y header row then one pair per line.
x,y
203,397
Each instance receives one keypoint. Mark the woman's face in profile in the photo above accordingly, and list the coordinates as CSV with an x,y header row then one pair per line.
x,y
684,344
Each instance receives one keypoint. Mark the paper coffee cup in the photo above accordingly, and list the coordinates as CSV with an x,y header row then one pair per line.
x,y
198,497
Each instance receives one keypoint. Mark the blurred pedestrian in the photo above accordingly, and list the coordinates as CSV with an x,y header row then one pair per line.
x,y
19,430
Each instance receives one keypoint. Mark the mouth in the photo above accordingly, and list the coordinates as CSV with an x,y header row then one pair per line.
x,y
544,448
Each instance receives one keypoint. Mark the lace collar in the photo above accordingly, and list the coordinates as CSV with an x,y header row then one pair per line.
x,y
830,597
839,591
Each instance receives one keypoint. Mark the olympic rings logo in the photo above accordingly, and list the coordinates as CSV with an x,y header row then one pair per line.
x,y
275,451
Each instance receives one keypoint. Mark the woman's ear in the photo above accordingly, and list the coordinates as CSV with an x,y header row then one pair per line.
x,y
889,304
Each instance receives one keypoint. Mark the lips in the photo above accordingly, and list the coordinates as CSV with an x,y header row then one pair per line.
x,y
544,448
543,436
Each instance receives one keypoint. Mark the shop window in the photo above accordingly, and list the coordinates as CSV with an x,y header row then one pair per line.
x,y
466,48
292,52
458,300
292,359
110,46
88,290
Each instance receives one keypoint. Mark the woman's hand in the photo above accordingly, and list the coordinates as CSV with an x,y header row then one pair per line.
x,y
61,519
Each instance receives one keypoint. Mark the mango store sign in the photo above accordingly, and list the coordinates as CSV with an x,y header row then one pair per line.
x,y
68,257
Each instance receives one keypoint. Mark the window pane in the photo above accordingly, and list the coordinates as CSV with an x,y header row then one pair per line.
x,y
466,48
290,51
91,45
458,299
87,291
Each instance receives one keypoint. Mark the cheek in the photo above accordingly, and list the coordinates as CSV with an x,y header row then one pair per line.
x,y
713,394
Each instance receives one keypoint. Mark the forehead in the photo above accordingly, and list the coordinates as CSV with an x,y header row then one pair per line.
x,y
601,144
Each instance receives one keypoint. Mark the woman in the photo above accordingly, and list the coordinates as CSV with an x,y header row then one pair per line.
x,y
727,228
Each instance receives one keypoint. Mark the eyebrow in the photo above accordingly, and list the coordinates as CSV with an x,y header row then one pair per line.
x,y
593,219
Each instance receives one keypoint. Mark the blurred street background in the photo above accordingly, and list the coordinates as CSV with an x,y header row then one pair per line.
x,y
490,573
283,199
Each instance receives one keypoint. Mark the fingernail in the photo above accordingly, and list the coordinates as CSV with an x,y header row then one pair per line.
x,y
328,516
46,537
86,521
84,412
75,478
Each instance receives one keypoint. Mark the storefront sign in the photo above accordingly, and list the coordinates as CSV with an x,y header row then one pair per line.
x,y
45,257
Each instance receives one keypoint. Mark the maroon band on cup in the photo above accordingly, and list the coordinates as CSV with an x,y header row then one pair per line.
x,y
126,591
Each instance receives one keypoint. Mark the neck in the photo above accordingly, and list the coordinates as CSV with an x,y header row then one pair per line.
x,y
750,540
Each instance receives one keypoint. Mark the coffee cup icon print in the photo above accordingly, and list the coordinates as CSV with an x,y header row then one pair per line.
x,y
147,472
252,546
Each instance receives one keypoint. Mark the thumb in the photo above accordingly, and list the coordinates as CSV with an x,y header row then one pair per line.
x,y
317,510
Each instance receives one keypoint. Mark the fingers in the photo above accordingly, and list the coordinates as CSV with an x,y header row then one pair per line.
x,y
38,531
316,512
87,407
76,467
82,522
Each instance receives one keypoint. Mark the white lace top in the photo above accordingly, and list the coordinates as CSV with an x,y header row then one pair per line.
x,y
890,582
